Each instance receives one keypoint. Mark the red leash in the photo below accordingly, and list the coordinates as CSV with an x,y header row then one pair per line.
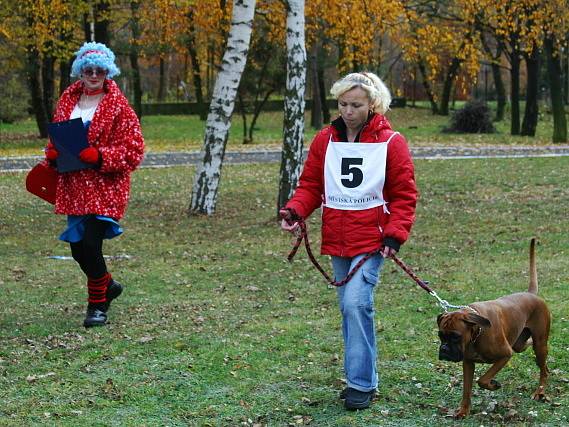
x,y
413,276
303,235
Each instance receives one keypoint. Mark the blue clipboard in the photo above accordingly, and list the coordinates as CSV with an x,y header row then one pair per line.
x,y
69,138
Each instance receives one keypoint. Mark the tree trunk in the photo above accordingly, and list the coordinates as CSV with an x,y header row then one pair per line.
x,y
161,80
496,72
33,69
500,92
566,79
64,75
531,113
133,55
515,92
66,38
88,28
208,174
291,161
196,68
322,91
243,111
48,84
447,87
257,112
556,90
427,87
316,110
101,12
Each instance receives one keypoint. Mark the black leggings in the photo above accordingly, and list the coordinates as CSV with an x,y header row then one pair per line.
x,y
89,252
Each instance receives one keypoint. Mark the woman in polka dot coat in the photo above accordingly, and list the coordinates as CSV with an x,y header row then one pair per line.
x,y
95,198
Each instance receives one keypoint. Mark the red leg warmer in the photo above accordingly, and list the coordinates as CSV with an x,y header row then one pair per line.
x,y
97,289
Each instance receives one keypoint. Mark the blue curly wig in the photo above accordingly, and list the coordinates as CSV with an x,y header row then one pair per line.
x,y
94,55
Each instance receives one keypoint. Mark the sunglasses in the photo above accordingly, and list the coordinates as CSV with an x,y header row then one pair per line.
x,y
97,71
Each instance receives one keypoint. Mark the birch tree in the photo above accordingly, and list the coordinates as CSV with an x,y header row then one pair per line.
x,y
208,174
293,126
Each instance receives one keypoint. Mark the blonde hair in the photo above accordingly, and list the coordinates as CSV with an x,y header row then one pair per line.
x,y
377,92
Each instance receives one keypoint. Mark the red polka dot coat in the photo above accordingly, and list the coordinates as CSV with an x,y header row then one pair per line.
x,y
115,132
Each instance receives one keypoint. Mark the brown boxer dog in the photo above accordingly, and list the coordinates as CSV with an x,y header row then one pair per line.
x,y
491,331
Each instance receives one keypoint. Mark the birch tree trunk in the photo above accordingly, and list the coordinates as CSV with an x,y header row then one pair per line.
x,y
293,126
208,174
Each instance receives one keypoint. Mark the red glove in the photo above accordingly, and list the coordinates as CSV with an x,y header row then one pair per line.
x,y
50,152
90,155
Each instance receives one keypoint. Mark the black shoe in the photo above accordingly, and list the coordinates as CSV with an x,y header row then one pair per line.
x,y
113,291
356,399
97,313
345,391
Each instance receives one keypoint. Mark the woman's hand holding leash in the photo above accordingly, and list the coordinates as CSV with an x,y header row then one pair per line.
x,y
290,220
388,252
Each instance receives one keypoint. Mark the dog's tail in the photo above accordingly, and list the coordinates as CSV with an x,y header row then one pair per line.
x,y
532,268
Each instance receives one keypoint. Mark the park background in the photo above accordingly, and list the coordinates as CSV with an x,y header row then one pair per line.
x,y
215,327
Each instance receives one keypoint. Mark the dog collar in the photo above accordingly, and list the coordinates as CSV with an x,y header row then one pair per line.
x,y
477,335
479,331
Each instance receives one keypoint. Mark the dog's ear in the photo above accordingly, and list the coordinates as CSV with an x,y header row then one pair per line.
x,y
475,319
439,318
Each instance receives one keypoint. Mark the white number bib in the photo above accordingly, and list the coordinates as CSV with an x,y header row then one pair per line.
x,y
354,175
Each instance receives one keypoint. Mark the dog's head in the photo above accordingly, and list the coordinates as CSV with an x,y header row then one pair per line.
x,y
456,331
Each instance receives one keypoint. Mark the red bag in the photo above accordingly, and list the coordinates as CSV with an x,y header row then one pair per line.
x,y
42,182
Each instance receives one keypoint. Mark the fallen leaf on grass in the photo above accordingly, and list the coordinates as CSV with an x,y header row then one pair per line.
x,y
302,419
511,414
33,378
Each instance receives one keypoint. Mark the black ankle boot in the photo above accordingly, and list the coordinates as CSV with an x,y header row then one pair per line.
x,y
97,313
113,291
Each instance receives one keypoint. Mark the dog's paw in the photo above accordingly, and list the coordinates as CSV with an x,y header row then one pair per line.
x,y
461,413
539,394
491,385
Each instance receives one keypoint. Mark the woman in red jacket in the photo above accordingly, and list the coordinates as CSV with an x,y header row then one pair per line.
x,y
361,172
94,199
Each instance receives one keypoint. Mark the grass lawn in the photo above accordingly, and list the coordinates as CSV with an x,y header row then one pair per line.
x,y
216,329
185,133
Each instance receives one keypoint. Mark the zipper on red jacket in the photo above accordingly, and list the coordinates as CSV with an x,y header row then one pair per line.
x,y
343,234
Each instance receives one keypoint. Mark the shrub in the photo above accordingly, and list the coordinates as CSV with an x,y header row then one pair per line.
x,y
474,117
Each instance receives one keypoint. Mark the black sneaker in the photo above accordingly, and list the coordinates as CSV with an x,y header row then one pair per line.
x,y
97,313
345,391
355,399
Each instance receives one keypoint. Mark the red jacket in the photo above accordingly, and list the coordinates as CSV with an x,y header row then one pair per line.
x,y
115,132
349,233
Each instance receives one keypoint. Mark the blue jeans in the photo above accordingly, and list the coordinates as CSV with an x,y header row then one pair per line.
x,y
358,328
